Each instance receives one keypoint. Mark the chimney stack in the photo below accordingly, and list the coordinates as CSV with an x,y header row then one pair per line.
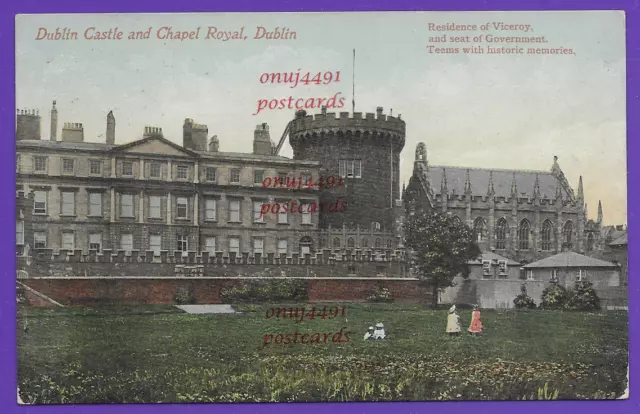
x,y
150,131
72,132
214,144
262,140
27,124
194,136
54,122
379,111
111,128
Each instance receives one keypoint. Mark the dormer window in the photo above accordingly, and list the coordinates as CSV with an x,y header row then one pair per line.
x,y
502,268
486,268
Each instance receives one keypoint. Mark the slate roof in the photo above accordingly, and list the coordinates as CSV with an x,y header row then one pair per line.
x,y
101,146
493,257
569,259
620,241
80,146
502,179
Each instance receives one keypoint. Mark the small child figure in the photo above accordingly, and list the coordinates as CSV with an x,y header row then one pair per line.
x,y
475,328
369,334
378,333
453,322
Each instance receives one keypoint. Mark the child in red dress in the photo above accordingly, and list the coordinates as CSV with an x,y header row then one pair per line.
x,y
475,328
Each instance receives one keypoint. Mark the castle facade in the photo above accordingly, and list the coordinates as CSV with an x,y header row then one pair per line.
x,y
152,195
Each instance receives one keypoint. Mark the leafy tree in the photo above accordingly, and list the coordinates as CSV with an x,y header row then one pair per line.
x,y
554,296
523,300
583,297
441,247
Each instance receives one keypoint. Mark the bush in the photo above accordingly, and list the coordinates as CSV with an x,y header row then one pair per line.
x,y
524,301
266,290
583,297
184,296
554,296
380,294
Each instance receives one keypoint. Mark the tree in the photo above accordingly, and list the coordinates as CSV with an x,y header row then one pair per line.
x,y
441,248
523,300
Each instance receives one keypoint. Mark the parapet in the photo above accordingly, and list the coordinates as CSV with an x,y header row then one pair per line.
x,y
325,257
344,122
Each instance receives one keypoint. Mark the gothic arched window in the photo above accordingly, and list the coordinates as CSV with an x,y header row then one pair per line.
x,y
351,242
590,242
546,235
457,221
336,242
479,229
389,244
365,242
378,243
523,234
501,234
567,235
376,226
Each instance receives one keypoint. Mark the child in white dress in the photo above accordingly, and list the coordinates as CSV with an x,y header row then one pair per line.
x,y
453,322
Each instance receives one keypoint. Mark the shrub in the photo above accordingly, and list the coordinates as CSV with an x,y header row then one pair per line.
x,y
524,301
554,296
583,297
184,296
266,290
380,294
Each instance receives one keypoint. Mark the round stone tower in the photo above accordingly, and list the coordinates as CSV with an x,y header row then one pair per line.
x,y
365,150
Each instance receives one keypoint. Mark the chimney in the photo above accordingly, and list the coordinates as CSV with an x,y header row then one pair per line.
x,y
27,124
379,111
111,128
72,132
54,122
214,144
194,136
262,140
150,131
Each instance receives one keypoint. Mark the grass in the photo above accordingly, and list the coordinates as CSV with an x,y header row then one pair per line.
x,y
160,354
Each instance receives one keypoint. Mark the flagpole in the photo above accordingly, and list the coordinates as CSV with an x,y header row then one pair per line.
x,y
353,82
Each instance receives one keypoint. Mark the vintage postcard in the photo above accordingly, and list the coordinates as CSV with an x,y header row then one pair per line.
x,y
312,207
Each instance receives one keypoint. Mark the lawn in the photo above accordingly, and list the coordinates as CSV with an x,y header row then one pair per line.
x,y
160,354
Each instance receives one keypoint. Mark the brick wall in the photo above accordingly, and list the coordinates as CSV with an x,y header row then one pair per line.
x,y
138,291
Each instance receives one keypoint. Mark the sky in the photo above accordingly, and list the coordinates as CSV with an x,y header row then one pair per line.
x,y
502,111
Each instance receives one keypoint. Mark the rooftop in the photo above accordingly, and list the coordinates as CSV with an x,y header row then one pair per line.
x,y
569,259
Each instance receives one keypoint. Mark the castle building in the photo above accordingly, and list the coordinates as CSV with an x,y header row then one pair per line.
x,y
153,195
522,215
363,149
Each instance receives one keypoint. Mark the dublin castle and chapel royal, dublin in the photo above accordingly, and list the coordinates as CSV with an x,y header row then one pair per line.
x,y
152,197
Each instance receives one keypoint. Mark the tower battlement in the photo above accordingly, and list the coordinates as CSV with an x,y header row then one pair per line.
x,y
365,150
356,123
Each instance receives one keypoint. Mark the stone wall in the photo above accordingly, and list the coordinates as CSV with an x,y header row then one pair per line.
x,y
161,290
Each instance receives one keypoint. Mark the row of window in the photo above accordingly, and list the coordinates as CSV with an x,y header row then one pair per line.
x,y
127,208
68,242
547,234
364,243
155,170
502,271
